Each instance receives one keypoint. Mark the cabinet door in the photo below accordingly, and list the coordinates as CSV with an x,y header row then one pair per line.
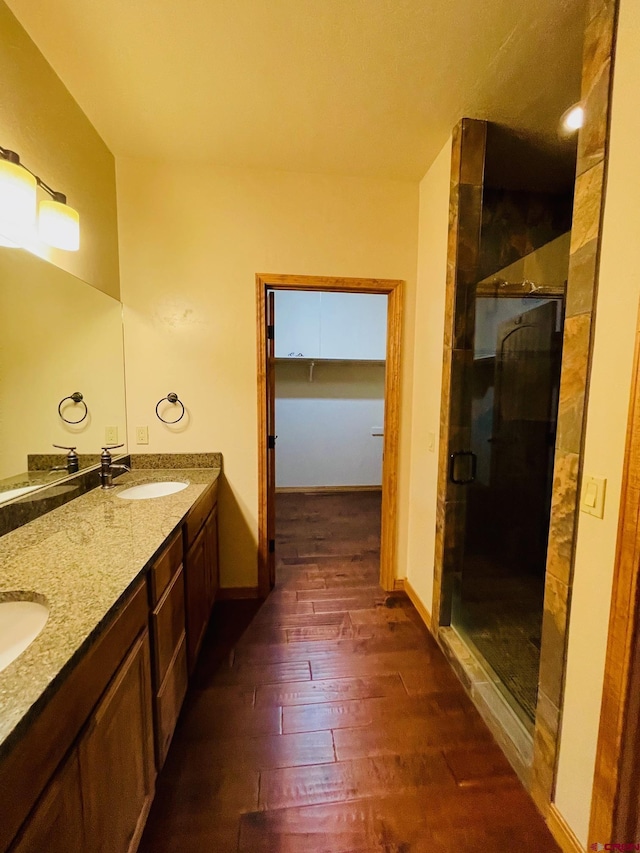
x,y
56,823
297,324
353,326
197,597
211,546
116,758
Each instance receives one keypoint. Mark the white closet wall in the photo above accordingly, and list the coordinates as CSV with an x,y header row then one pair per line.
x,y
324,427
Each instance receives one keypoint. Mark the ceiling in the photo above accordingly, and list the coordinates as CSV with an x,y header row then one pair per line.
x,y
360,87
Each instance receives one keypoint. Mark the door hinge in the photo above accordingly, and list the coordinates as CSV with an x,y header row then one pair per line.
x,y
271,332
272,546
271,442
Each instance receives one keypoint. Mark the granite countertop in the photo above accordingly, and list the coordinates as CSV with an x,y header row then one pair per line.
x,y
81,559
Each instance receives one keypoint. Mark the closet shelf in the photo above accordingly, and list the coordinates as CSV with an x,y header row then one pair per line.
x,y
318,360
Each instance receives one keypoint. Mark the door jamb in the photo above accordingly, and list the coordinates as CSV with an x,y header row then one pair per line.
x,y
621,663
394,290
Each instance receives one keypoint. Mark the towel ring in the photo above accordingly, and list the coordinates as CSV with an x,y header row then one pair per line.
x,y
171,398
76,397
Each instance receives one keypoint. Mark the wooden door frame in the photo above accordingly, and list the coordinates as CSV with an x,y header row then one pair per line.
x,y
621,662
394,290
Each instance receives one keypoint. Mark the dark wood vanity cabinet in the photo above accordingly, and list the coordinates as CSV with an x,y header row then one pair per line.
x,y
57,824
201,570
84,776
168,631
117,766
211,555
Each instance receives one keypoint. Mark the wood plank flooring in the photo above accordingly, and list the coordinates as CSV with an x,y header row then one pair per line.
x,y
334,723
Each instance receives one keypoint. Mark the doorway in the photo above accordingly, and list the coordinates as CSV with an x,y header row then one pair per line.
x,y
268,286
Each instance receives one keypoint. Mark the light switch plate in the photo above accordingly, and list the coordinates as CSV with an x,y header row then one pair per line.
x,y
593,494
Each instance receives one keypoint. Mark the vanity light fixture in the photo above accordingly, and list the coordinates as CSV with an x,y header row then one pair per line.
x,y
58,224
17,199
572,119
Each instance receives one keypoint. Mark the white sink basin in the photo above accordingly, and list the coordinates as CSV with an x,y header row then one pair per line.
x,y
20,623
151,490
15,493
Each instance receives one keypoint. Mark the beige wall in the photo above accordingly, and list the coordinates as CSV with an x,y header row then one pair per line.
x,y
616,316
192,240
73,343
44,125
427,375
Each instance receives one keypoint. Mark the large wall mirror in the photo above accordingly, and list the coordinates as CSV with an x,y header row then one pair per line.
x,y
59,338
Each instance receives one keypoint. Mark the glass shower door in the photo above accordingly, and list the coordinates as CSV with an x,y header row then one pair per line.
x,y
511,391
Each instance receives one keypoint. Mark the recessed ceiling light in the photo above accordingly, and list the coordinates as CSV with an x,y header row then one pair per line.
x,y
572,119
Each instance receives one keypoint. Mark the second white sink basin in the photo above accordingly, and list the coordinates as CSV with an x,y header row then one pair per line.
x,y
151,490
20,623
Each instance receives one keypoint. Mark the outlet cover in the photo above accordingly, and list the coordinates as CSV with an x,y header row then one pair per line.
x,y
111,435
142,435
593,494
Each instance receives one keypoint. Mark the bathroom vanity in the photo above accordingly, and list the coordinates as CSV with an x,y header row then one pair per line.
x,y
88,710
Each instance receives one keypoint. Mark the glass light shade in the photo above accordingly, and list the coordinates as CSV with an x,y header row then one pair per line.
x,y
59,225
572,119
17,203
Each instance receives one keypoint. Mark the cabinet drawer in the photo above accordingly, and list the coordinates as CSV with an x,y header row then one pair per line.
x,y
170,699
165,567
167,621
198,514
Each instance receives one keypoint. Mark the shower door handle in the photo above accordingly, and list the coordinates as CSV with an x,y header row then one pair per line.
x,y
454,466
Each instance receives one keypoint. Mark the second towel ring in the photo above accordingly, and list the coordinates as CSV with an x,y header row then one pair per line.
x,y
171,398
77,398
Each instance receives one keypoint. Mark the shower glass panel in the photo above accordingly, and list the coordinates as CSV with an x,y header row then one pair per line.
x,y
511,395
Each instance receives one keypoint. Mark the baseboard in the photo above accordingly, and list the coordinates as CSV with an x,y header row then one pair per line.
x,y
398,585
562,832
321,490
237,593
419,606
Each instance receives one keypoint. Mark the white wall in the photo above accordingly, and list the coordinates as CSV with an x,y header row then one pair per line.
x,y
616,317
192,240
324,426
427,379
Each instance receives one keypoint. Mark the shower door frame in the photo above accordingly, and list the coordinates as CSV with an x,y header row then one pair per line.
x,y
505,290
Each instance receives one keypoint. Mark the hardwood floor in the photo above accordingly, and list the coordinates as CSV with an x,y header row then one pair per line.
x,y
334,723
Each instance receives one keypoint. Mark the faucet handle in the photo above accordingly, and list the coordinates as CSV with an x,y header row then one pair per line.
x,y
108,447
63,447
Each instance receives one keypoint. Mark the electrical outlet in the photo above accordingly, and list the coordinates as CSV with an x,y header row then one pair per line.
x,y
111,435
142,435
